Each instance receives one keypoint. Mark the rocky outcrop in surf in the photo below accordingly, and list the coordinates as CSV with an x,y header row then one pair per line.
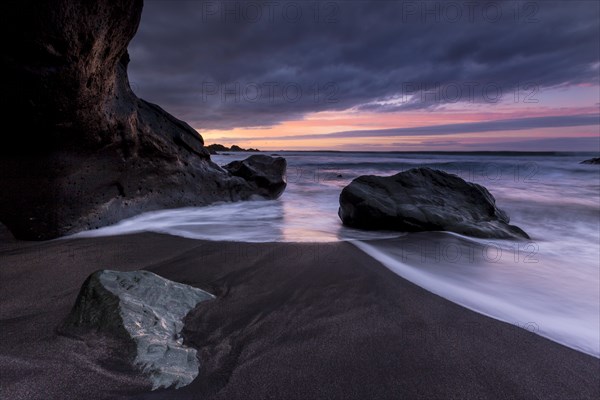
x,y
267,173
88,151
423,199
214,148
595,161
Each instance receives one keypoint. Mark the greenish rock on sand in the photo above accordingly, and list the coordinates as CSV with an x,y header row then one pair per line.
x,y
148,310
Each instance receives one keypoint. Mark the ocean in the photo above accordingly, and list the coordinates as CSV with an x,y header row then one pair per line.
x,y
549,285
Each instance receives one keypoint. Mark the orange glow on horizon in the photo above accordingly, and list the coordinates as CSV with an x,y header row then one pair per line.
x,y
270,138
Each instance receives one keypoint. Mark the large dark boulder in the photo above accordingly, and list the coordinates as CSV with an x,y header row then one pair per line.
x,y
87,151
423,199
266,172
595,161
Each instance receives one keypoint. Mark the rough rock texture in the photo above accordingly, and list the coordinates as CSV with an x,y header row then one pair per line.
x,y
5,235
88,152
595,161
266,172
423,199
142,308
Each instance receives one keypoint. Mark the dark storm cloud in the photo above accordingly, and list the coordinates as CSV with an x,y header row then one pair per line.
x,y
256,63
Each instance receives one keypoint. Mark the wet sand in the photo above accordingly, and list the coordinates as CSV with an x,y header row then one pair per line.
x,y
291,321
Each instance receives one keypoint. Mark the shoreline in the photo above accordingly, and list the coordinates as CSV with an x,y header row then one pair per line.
x,y
291,320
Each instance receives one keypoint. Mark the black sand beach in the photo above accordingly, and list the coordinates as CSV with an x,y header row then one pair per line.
x,y
291,321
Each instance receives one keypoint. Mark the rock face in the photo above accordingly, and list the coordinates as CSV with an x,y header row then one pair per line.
x,y
144,309
266,172
88,152
423,199
595,161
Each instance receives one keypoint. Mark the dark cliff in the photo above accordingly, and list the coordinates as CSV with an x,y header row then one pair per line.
x,y
87,152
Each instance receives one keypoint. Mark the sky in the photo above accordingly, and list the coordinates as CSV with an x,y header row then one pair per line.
x,y
376,75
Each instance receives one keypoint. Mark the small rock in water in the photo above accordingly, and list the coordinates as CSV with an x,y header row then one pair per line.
x,y
595,161
423,199
146,309
267,173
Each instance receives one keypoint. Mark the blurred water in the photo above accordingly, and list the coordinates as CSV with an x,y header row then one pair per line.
x,y
549,285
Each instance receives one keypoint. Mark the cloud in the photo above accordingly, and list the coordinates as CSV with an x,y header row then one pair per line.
x,y
517,124
586,144
578,143
221,65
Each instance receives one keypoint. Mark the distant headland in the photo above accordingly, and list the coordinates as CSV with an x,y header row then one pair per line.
x,y
213,148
